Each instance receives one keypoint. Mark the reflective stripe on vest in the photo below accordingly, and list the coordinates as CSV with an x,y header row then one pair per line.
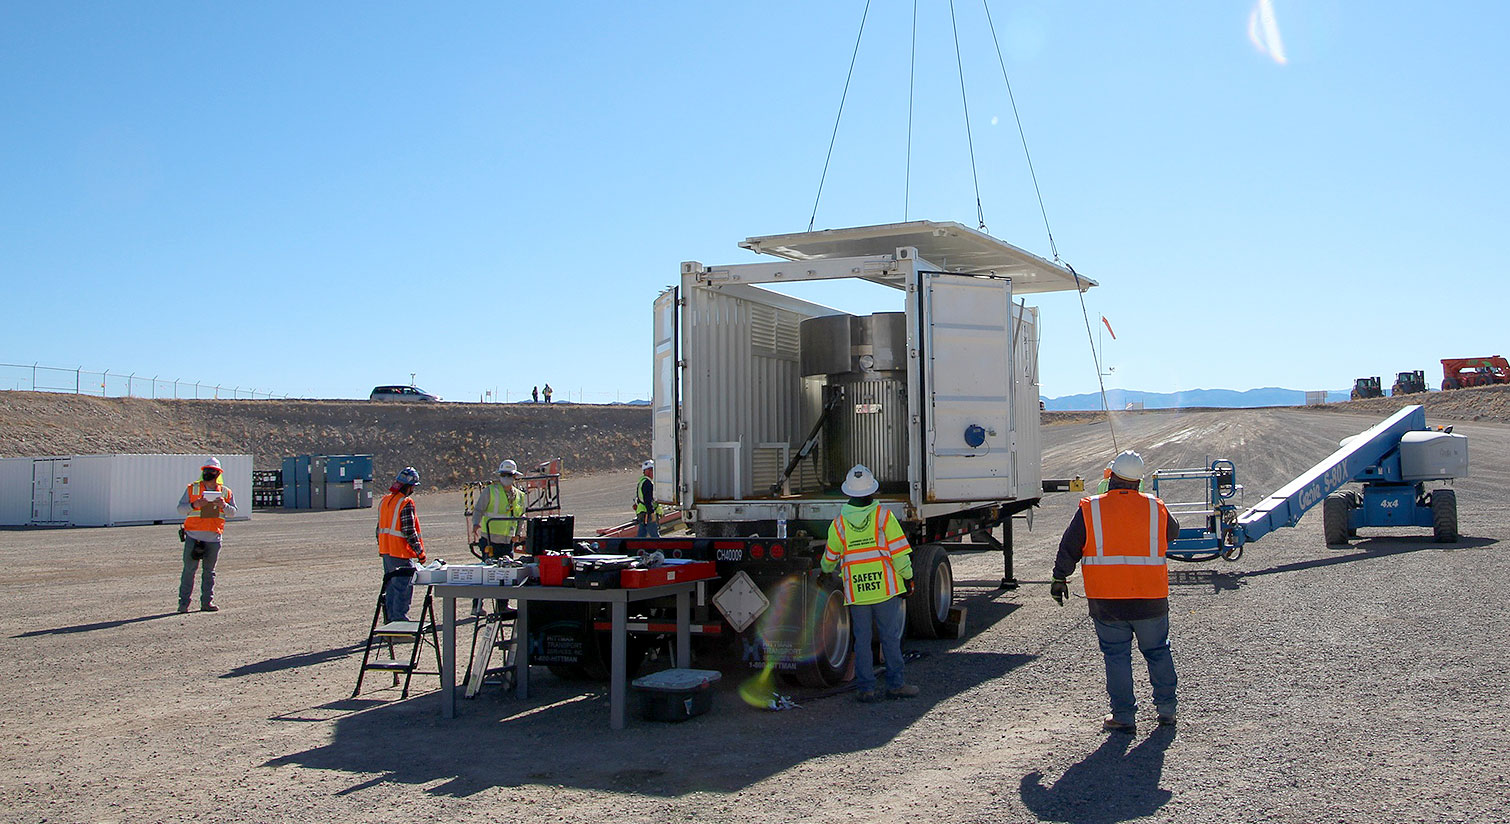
x,y
512,509
869,574
198,523
1125,539
391,540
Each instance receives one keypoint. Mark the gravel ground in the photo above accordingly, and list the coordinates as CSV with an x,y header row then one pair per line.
x,y
1357,685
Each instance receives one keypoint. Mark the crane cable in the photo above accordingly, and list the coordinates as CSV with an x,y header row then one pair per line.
x,y
980,214
811,219
1042,210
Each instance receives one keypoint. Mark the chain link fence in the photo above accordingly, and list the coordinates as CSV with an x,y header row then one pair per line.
x,y
113,384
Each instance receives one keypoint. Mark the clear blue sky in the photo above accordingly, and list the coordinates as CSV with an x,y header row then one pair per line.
x,y
320,197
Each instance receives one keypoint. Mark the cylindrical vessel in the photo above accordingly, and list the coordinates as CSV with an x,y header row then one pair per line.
x,y
866,359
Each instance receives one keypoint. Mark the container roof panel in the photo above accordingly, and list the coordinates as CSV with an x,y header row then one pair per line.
x,y
951,246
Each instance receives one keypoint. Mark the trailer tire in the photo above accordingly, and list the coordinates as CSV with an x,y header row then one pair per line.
x,y
1444,516
932,593
833,644
1334,511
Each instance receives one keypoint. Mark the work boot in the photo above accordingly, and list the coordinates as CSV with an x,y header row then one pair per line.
x,y
183,607
208,606
868,696
1166,719
904,691
1110,724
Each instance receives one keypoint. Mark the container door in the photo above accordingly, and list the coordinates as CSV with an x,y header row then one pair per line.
x,y
665,402
61,499
967,387
41,492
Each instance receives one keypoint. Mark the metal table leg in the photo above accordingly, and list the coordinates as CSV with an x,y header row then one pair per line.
x,y
448,658
683,629
522,649
616,688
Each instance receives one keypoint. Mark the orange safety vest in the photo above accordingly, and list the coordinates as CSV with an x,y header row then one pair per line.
x,y
866,559
1126,534
391,540
197,523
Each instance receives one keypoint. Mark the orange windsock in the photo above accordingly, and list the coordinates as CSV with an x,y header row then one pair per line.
x,y
1108,326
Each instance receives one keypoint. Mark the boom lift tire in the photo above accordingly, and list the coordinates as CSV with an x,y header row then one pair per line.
x,y
1334,512
1444,516
932,593
832,645
1356,499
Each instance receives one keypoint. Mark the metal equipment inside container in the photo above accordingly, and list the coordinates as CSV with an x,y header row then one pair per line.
x,y
865,359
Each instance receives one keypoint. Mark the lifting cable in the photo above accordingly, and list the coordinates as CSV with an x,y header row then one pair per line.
x,y
980,214
839,116
912,74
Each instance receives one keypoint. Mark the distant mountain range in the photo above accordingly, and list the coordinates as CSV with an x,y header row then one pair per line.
x,y
1218,398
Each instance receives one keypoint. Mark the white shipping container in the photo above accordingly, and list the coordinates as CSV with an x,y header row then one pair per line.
x,y
109,490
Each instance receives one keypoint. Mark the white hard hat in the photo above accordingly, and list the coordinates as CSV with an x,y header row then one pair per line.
x,y
212,463
1128,466
647,465
859,483
509,468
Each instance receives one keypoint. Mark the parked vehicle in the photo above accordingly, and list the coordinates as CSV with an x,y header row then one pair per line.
x,y
1367,388
1409,383
400,393
1460,372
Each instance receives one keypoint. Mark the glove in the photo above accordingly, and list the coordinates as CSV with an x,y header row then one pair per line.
x,y
1060,589
421,558
908,585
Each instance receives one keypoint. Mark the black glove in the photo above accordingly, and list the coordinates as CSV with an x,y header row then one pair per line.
x,y
1060,589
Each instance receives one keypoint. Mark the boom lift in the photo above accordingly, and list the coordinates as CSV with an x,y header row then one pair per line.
x,y
1460,372
1393,460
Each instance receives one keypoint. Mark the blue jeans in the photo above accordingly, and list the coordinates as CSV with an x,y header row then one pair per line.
x,y
649,528
887,616
1116,639
193,565
400,589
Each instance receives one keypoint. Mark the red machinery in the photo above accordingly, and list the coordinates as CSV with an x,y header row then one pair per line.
x,y
1460,372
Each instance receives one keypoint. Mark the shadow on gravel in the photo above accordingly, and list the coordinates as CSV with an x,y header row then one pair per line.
x,y
299,659
1112,784
1372,548
94,626
560,736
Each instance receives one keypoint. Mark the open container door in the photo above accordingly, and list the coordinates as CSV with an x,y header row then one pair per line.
x,y
967,381
665,401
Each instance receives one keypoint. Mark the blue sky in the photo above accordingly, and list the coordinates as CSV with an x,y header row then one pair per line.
x,y
318,198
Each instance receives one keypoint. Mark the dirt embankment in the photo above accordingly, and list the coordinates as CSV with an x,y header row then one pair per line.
x,y
449,443
1479,403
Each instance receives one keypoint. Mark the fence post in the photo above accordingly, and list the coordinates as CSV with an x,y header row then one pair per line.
x,y
76,378
175,389
196,390
129,380
217,391
154,387
104,379
34,376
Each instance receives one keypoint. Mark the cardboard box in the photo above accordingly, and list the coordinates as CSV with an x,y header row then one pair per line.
x,y
464,574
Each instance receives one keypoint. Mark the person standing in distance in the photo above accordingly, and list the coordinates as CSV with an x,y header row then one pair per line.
x,y
206,504
647,513
1120,538
399,542
869,548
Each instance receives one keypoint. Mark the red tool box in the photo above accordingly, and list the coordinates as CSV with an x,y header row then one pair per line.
x,y
670,573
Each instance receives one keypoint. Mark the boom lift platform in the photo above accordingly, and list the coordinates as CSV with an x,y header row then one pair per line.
x,y
1393,460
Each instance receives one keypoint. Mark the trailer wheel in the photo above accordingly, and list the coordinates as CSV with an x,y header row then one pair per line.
x,y
1334,512
832,645
932,592
1444,516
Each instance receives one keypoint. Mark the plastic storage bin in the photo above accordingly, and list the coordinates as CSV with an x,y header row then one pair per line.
x,y
676,694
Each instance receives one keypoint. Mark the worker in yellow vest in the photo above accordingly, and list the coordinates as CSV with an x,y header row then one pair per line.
x,y
400,543
206,504
1119,538
498,513
647,513
868,547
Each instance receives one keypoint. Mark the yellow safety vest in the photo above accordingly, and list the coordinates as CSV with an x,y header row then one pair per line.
x,y
871,551
506,509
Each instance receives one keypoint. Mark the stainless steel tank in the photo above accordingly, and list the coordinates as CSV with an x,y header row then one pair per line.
x,y
865,358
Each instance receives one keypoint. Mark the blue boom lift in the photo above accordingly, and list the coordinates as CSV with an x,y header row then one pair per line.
x,y
1393,460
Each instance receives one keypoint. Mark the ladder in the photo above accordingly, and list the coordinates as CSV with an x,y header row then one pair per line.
x,y
394,633
488,635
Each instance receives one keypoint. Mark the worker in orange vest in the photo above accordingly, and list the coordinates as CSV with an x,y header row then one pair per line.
x,y
1120,538
205,505
399,542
